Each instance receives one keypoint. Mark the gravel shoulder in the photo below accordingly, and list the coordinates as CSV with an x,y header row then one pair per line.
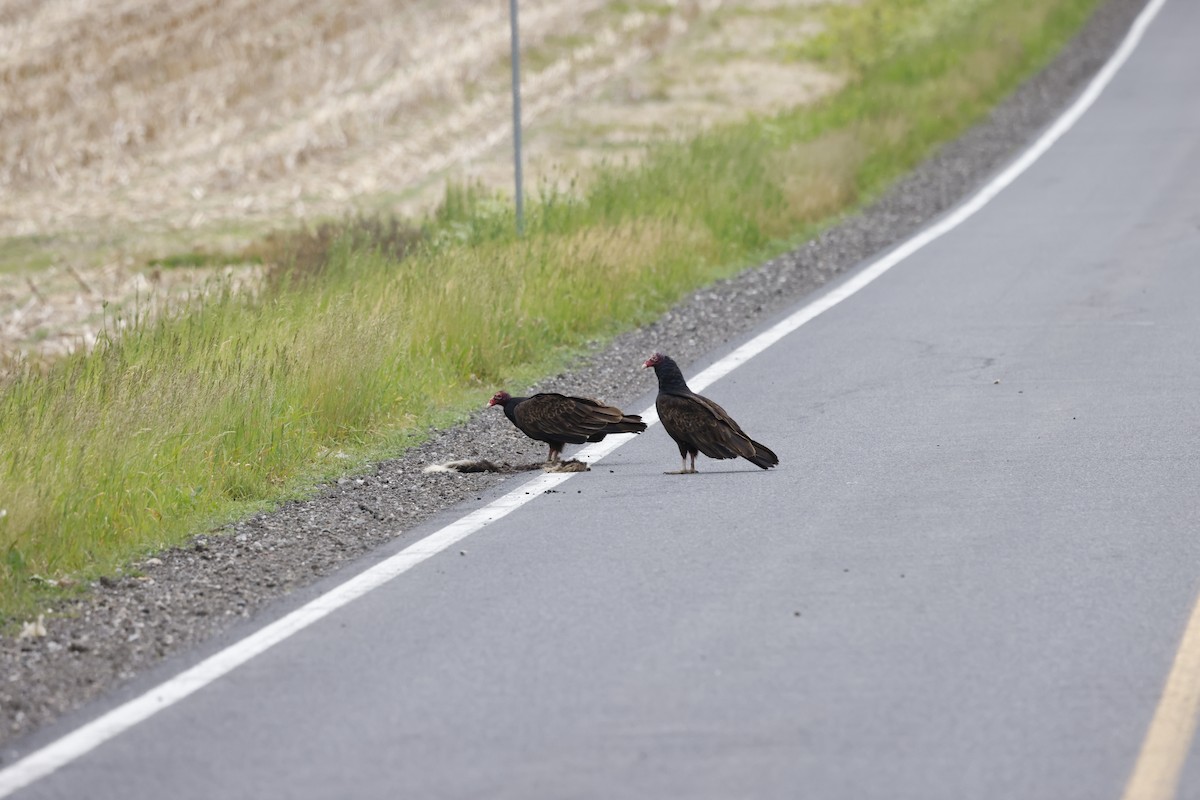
x,y
186,595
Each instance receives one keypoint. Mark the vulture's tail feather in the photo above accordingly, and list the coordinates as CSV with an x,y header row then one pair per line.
x,y
629,423
763,456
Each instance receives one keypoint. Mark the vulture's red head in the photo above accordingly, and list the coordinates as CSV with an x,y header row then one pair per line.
x,y
653,361
498,399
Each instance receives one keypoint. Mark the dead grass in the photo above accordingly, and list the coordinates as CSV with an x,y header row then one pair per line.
x,y
304,254
60,310
180,115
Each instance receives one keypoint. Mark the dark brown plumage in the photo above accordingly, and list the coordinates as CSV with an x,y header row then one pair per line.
x,y
697,424
559,420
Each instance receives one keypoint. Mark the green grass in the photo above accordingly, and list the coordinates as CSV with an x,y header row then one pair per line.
x,y
241,401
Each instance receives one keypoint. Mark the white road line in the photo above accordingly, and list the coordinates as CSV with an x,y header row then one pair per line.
x,y
91,735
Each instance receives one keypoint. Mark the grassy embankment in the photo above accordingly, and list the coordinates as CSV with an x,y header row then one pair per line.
x,y
181,423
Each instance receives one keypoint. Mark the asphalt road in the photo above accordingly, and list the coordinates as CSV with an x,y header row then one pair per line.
x,y
968,577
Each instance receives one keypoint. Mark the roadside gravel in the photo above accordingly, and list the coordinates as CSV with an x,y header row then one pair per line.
x,y
186,595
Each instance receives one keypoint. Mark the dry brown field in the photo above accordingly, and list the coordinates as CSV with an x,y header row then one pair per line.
x,y
131,129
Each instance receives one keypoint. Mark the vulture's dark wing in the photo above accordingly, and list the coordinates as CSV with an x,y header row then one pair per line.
x,y
705,426
559,418
762,455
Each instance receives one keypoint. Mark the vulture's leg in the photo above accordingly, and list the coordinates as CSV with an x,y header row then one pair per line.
x,y
683,470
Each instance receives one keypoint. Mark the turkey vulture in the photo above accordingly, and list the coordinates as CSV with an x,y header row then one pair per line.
x,y
697,424
559,420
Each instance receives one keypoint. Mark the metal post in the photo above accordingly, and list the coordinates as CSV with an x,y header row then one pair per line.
x,y
516,91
